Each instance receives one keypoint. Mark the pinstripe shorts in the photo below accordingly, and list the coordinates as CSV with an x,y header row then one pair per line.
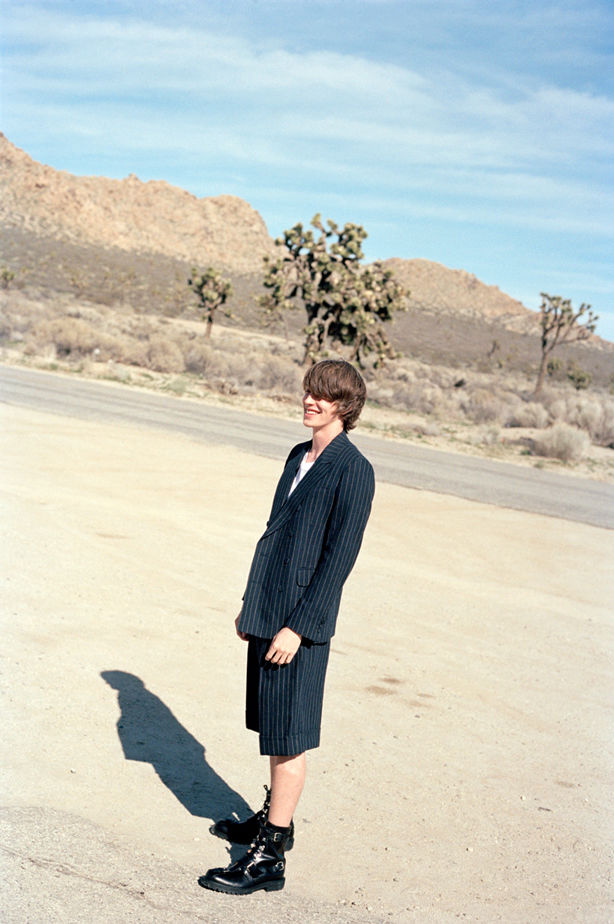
x,y
284,704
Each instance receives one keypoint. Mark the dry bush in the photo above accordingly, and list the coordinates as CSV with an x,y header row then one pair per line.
x,y
244,369
483,406
163,355
602,427
402,374
529,415
202,359
485,436
75,338
6,328
281,375
418,396
69,336
428,428
562,442
597,418
594,414
130,351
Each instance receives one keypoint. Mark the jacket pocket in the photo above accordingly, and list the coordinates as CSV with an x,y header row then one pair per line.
x,y
303,576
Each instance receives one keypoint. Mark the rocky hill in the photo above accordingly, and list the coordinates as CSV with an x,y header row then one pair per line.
x,y
435,288
224,231
152,217
131,244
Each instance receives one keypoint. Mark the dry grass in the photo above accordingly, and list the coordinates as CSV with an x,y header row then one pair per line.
x,y
562,442
531,415
452,405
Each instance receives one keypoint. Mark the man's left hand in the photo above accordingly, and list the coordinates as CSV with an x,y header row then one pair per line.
x,y
283,646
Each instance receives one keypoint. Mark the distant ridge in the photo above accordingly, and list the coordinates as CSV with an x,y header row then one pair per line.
x,y
152,217
436,288
149,218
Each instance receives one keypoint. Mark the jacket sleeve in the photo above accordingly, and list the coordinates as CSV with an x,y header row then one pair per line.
x,y
314,615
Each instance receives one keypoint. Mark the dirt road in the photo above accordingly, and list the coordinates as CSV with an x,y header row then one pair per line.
x,y
466,764
397,462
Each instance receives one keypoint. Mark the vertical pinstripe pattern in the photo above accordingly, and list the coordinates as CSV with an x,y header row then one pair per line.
x,y
310,544
297,575
284,704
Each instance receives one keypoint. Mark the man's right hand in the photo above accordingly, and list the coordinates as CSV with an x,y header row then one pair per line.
x,y
241,635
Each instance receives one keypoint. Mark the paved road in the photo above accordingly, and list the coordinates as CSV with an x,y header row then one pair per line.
x,y
477,479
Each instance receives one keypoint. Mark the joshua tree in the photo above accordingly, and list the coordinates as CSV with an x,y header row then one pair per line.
x,y
346,303
6,277
212,291
560,323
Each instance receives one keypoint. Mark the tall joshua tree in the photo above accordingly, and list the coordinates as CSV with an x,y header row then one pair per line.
x,y
346,303
212,291
561,323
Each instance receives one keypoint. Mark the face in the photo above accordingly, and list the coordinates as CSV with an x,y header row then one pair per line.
x,y
318,412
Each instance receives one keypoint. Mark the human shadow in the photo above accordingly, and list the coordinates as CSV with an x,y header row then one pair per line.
x,y
149,732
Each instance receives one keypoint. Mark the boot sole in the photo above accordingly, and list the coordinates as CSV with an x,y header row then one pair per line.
x,y
273,885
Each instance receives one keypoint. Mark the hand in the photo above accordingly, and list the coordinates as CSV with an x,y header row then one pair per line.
x,y
283,646
241,635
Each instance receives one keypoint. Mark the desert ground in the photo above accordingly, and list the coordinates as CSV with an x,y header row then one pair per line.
x,y
465,771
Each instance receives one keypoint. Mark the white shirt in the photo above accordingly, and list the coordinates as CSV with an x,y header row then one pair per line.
x,y
302,471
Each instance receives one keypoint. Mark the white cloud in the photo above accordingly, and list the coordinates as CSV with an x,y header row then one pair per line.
x,y
443,133
317,96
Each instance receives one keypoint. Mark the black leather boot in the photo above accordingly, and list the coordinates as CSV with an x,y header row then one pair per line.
x,y
244,832
262,867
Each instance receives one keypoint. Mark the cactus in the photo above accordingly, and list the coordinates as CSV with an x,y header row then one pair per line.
x,y
212,291
346,302
560,323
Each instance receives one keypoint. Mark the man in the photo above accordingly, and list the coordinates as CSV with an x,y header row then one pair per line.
x,y
320,509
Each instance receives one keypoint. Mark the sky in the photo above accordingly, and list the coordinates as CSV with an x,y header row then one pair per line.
x,y
474,133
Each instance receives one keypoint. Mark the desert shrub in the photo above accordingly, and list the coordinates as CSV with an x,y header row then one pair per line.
x,y
557,408
562,442
427,428
553,367
597,418
280,375
485,436
483,406
6,328
529,415
203,359
585,414
595,415
400,374
131,352
75,338
244,369
69,336
579,378
164,356
418,396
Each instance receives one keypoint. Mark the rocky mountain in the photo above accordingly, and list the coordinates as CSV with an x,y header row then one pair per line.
x,y
153,232
436,288
152,217
155,217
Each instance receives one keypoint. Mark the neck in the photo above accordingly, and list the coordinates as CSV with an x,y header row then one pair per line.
x,y
321,438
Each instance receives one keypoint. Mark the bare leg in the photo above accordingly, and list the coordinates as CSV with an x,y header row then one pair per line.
x,y
287,781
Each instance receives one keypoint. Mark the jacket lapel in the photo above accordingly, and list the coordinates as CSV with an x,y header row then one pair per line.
x,y
285,482
284,506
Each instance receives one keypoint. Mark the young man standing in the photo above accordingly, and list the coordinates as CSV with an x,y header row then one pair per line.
x,y
320,509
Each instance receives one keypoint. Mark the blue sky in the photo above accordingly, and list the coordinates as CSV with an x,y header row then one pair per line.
x,y
479,134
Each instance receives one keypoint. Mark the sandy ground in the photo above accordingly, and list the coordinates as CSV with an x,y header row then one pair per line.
x,y
466,763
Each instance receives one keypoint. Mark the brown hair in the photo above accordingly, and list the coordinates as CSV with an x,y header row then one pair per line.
x,y
338,381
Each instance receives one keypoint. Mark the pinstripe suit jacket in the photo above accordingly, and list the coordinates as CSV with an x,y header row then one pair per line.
x,y
310,544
